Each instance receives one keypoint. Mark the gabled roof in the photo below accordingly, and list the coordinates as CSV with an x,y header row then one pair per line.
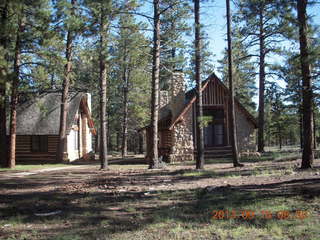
x,y
165,121
41,114
191,97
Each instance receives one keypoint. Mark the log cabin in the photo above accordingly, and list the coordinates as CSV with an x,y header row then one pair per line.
x,y
38,121
177,135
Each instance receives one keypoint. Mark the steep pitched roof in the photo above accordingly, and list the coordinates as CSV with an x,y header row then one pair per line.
x,y
165,121
41,115
191,97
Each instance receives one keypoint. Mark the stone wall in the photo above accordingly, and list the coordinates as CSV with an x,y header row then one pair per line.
x,y
183,148
246,133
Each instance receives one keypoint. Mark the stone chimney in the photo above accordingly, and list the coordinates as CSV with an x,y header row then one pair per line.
x,y
177,93
164,98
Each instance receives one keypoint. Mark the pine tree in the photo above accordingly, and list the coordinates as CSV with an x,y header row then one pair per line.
x,y
70,23
262,27
231,113
243,71
15,85
278,115
174,28
199,111
131,55
27,21
3,81
154,158
103,38
307,156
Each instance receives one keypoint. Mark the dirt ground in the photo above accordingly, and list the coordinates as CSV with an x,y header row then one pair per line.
x,y
42,204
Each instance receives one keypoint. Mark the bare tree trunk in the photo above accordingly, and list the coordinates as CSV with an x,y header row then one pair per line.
x,y
124,145
307,95
199,112
232,117
262,76
301,126
314,128
62,146
140,143
3,81
118,148
154,158
280,137
103,92
96,142
14,93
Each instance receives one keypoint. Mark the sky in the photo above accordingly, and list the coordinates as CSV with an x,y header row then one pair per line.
x,y
212,16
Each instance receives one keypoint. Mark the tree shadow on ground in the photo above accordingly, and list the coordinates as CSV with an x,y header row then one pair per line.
x,y
108,212
192,206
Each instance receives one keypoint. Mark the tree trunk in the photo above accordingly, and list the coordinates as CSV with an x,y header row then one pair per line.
x,y
103,92
154,158
124,145
96,142
199,113
3,81
262,76
233,130
280,137
14,93
62,146
314,128
140,143
301,126
307,95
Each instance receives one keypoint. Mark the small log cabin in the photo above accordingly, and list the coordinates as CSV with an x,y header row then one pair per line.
x,y
38,121
177,135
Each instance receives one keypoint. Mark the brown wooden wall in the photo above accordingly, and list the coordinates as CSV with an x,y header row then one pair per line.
x,y
214,94
25,154
166,139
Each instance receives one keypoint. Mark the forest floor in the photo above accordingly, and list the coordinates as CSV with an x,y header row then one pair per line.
x,y
263,200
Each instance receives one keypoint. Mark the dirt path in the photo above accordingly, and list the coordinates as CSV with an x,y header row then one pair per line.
x,y
4,175
137,178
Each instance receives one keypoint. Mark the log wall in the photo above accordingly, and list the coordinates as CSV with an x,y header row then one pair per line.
x,y
25,154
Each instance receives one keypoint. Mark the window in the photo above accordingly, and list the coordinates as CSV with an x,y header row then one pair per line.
x,y
39,143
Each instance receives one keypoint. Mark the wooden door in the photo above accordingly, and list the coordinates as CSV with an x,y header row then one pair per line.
x,y
214,131
208,133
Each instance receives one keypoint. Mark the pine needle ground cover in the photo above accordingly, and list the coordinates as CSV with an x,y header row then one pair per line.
x,y
263,200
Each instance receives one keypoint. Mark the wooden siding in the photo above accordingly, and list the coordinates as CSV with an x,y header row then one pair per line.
x,y
25,154
214,94
166,138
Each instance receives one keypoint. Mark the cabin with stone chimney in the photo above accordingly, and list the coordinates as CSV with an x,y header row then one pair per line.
x,y
38,119
177,134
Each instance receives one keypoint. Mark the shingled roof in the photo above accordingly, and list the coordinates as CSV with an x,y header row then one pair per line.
x,y
41,115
